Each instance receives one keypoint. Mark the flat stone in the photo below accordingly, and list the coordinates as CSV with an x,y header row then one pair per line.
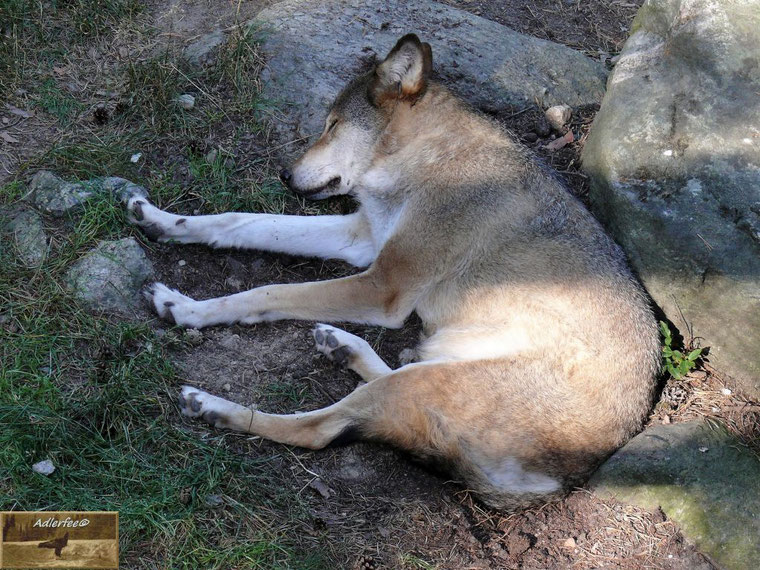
x,y
55,196
674,161
25,227
109,277
702,477
313,48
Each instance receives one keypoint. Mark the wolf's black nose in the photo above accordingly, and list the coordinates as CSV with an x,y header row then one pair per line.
x,y
285,175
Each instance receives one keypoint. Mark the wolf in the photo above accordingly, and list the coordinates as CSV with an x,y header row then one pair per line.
x,y
57,544
539,351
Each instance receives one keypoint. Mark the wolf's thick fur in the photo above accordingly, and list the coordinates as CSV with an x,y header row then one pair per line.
x,y
540,348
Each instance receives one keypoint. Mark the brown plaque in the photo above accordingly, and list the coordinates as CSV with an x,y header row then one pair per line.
x,y
59,539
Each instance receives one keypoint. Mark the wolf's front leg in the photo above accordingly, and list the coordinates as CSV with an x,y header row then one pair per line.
x,y
364,298
327,237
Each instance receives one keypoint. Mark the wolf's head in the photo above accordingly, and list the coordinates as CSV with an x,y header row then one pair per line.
x,y
358,119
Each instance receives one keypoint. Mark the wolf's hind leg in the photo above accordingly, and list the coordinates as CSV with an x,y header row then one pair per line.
x,y
350,351
313,430
391,409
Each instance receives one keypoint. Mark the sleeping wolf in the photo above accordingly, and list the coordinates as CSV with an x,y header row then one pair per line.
x,y
540,349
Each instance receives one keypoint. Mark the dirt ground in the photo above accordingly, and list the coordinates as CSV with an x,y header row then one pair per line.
x,y
368,504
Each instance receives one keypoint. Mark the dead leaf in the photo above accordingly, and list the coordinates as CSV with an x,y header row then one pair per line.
x,y
8,138
18,112
560,142
60,70
319,486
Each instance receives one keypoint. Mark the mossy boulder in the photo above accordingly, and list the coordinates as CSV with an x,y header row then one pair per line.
x,y
702,477
674,161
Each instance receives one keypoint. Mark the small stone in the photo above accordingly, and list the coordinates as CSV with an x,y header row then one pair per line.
x,y
319,486
214,501
570,543
135,157
182,263
186,101
109,277
45,467
227,387
194,336
233,283
726,391
30,241
558,116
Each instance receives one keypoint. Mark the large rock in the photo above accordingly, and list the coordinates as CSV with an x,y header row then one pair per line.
x,y
702,478
313,47
674,159
109,277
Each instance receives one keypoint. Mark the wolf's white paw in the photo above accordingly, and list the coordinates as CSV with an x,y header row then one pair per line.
x,y
156,224
173,306
196,403
337,345
218,412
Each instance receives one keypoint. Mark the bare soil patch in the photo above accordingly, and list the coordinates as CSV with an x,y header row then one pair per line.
x,y
597,28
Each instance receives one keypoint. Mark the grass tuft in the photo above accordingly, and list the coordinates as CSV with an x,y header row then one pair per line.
x,y
96,396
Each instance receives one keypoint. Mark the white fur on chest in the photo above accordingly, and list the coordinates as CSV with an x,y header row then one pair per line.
x,y
382,204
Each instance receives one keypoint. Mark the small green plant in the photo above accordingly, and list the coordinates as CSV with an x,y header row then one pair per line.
x,y
677,363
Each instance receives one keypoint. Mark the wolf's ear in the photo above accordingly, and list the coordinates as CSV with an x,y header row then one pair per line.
x,y
404,73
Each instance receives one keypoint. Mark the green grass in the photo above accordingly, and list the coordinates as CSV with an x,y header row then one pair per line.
x,y
27,30
105,155
54,100
152,88
96,396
